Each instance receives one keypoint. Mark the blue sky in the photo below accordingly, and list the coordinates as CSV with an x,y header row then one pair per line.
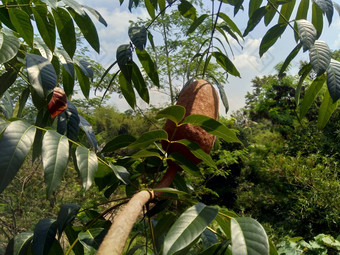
x,y
247,60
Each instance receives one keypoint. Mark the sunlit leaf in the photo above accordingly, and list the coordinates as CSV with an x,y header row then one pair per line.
x,y
21,242
271,36
150,8
9,46
248,237
170,190
87,128
96,14
304,71
92,238
43,49
327,7
175,113
320,57
307,33
75,6
149,138
55,150
50,3
65,60
230,23
22,23
225,63
138,37
212,126
87,163
187,165
15,143
326,110
333,79
188,227
44,236
121,173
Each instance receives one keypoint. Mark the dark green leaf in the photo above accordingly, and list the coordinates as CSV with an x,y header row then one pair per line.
x,y
304,71
92,238
320,57
248,237
121,173
271,37
9,46
87,128
41,75
87,28
185,164
175,113
124,58
85,67
5,19
253,6
72,236
286,11
254,20
68,82
301,14
146,154
327,108
317,18
225,63
68,122
118,142
289,58
44,236
20,105
333,79
127,90
65,60
196,23
66,30
230,23
138,37
7,79
208,238
21,243
148,65
15,143
187,10
148,138
6,105
150,8
188,227
271,11
212,126
327,7
311,94
139,83
307,33
54,158
87,163
66,215
96,14
46,25
84,81
22,23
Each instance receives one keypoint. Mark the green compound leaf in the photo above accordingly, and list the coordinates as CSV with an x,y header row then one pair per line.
x,y
55,152
271,37
326,110
15,143
138,37
212,126
333,79
87,163
149,138
307,33
127,90
118,142
148,66
44,236
320,57
66,215
327,8
22,23
188,227
248,237
91,239
196,23
121,173
9,46
226,63
317,18
174,113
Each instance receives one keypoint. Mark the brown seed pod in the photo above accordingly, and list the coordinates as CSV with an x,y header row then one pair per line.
x,y
200,97
58,102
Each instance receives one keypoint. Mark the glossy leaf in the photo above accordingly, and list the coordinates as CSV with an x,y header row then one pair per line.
x,y
320,57
6,105
326,110
68,82
196,23
87,163
289,58
21,243
271,37
304,71
175,113
87,28
118,142
286,11
92,238
148,138
44,236
208,238
148,66
20,105
254,20
41,75
85,67
96,14
225,63
317,18
121,173
87,128
198,152
55,158
138,37
302,13
46,25
15,143
327,7
170,190
139,83
271,11
50,3
187,10
22,23
65,60
212,126
124,57
84,81
66,215
307,33
248,237
9,46
75,6
7,79
43,49
253,5
188,227
68,122
127,90
311,94
66,30
230,23
333,79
